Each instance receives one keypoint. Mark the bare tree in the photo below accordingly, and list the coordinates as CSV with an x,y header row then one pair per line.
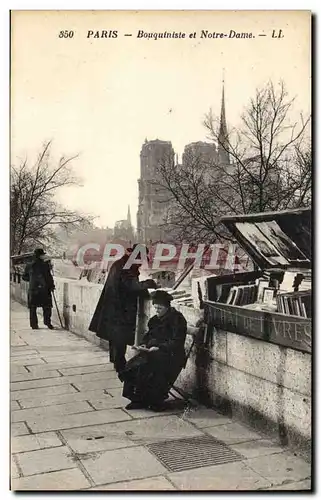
x,y
264,150
34,211
269,169
298,181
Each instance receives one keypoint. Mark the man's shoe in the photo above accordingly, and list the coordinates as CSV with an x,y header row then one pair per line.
x,y
51,327
135,405
35,327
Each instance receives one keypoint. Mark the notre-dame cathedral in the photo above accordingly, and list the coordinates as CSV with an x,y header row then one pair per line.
x,y
152,199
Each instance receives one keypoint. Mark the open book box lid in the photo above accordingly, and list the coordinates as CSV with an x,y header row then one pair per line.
x,y
274,239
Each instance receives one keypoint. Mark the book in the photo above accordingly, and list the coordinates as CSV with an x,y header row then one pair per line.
x,y
231,296
263,283
295,303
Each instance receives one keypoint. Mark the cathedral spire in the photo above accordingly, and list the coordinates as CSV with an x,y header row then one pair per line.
x,y
129,219
222,138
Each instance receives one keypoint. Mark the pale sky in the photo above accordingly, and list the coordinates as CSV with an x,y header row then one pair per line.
x,y
100,97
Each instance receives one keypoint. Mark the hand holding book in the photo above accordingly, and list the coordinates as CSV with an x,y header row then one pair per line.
x,y
143,348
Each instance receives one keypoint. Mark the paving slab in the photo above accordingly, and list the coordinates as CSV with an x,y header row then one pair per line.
x,y
14,469
66,352
147,413
19,429
18,342
56,350
97,438
87,369
149,430
51,459
20,349
205,417
23,353
34,384
73,344
63,398
77,420
74,363
14,331
112,380
122,465
281,467
99,384
159,483
71,356
92,377
26,376
117,393
257,448
104,403
233,433
231,476
41,371
18,370
28,361
43,391
14,405
34,442
72,479
288,486
49,411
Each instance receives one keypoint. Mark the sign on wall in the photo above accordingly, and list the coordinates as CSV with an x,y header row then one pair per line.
x,y
285,330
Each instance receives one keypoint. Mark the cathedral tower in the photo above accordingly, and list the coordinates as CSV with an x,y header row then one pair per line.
x,y
151,203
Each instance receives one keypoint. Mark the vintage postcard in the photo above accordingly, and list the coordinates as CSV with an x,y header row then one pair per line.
x,y
160,242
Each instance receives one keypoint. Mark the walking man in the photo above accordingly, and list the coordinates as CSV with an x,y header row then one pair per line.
x,y
41,284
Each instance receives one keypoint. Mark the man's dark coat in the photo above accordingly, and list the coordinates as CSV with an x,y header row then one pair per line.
x,y
149,376
41,283
115,316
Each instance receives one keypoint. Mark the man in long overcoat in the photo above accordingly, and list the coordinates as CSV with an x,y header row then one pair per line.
x,y
115,316
41,284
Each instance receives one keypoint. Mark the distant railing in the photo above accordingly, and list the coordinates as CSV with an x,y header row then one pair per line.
x,y
15,276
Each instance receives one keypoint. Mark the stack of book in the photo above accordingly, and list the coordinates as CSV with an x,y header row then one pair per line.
x,y
242,295
295,303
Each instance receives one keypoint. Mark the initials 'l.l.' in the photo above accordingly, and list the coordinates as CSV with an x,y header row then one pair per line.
x,y
280,35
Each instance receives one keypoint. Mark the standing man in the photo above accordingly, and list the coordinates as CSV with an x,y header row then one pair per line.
x,y
115,316
41,284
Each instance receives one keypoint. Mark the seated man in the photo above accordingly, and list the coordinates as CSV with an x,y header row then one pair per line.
x,y
151,373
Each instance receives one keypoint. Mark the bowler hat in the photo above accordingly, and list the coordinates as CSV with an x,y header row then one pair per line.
x,y
38,252
139,255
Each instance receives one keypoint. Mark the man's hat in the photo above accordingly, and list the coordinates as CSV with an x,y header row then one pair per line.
x,y
131,249
162,298
38,252
139,255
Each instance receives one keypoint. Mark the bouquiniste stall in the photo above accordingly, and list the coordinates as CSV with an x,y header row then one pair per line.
x,y
273,303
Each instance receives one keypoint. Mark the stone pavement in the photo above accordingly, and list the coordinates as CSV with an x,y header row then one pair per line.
x,y
70,430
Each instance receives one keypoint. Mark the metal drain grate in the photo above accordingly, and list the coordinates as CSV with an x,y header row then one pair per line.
x,y
190,453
